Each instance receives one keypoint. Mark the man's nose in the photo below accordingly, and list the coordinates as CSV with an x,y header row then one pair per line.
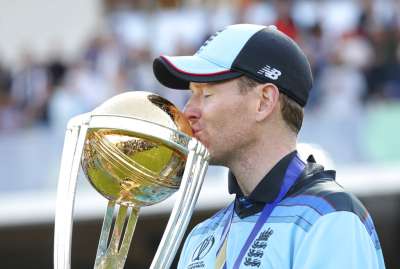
x,y
192,110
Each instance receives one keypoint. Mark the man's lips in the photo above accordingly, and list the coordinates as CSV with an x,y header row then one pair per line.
x,y
196,132
201,136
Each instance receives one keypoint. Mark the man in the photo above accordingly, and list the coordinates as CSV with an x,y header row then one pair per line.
x,y
249,85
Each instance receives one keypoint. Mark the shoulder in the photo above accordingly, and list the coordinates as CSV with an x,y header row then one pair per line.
x,y
325,196
319,198
318,189
337,227
209,225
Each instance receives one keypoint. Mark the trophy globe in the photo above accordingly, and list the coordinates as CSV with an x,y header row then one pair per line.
x,y
133,168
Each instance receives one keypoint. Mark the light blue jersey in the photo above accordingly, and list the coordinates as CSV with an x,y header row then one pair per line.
x,y
316,226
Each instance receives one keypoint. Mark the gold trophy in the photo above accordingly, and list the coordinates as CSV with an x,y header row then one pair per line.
x,y
136,150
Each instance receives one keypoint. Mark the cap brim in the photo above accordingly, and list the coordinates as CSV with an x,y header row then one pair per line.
x,y
178,71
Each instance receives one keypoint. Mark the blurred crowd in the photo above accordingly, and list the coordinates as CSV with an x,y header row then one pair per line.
x,y
354,52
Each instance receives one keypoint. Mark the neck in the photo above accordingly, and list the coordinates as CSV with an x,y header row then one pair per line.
x,y
256,162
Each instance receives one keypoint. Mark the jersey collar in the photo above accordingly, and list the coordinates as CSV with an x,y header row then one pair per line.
x,y
268,188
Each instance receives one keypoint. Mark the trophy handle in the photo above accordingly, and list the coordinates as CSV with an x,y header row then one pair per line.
x,y
70,163
196,166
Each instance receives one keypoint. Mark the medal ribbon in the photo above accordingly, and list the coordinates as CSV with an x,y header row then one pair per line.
x,y
220,262
293,172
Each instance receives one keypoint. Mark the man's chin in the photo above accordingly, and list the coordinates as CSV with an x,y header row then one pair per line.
x,y
215,161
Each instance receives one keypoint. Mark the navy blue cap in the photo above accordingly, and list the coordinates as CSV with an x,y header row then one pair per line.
x,y
262,53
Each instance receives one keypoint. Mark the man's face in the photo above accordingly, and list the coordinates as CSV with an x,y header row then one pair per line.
x,y
221,118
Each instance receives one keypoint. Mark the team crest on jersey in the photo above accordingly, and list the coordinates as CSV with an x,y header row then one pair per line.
x,y
256,251
200,252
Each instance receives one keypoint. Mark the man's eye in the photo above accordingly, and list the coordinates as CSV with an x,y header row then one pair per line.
x,y
207,95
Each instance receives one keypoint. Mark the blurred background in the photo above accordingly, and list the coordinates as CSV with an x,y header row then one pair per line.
x,y
61,58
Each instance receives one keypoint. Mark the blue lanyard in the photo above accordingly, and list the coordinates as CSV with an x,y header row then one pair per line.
x,y
293,172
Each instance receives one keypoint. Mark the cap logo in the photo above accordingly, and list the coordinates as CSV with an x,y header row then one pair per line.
x,y
269,72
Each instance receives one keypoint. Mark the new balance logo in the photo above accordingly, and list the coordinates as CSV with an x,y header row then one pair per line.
x,y
269,72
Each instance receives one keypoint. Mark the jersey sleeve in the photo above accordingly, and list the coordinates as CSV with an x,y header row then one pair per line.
x,y
338,240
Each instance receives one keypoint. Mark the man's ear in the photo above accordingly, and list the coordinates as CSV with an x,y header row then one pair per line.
x,y
268,99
